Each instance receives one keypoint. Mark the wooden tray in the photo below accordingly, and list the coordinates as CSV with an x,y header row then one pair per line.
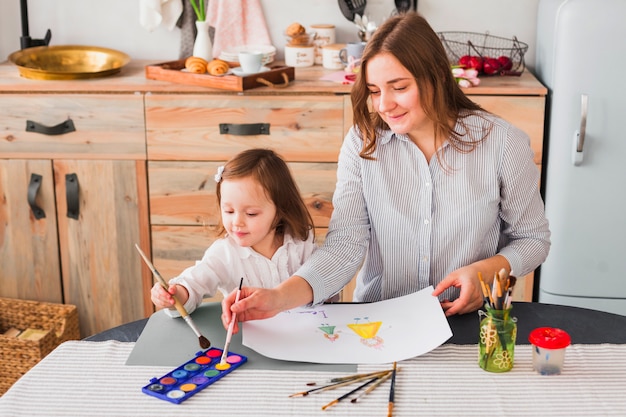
x,y
172,71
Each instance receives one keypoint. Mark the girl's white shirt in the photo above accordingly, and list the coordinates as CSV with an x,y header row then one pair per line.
x,y
224,264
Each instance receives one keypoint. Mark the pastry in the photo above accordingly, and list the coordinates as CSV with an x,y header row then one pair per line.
x,y
196,65
295,29
218,67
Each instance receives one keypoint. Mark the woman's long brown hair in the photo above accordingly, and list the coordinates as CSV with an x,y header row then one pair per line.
x,y
415,44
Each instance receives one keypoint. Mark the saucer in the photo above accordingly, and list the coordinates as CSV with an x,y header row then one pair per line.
x,y
239,72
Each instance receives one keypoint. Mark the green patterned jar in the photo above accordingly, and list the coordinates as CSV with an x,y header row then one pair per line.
x,y
496,346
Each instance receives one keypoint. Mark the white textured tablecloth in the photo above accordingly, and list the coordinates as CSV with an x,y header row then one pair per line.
x,y
91,379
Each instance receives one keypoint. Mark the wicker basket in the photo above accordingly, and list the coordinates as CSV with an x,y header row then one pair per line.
x,y
458,44
17,356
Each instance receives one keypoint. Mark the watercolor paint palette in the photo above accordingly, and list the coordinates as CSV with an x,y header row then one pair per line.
x,y
193,376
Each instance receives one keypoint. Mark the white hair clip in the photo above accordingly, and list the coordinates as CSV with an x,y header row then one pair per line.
x,y
220,171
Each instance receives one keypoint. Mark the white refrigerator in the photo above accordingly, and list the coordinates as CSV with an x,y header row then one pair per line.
x,y
581,58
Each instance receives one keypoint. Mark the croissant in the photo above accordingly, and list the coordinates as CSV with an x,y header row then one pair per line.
x,y
218,67
196,64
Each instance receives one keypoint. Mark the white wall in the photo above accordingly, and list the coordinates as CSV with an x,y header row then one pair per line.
x,y
115,23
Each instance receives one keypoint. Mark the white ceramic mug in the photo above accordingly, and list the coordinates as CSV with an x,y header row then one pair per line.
x,y
352,50
250,61
299,55
330,55
324,35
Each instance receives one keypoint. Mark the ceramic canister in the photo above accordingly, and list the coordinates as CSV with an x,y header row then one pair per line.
x,y
330,54
324,35
299,55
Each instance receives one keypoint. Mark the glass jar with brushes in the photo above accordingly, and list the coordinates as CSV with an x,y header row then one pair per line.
x,y
498,329
496,345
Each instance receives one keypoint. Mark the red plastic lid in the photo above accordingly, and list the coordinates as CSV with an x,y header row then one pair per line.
x,y
549,338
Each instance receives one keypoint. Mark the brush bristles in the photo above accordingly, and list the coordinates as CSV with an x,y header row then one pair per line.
x,y
204,342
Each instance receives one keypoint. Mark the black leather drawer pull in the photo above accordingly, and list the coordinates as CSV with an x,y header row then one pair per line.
x,y
64,127
33,189
244,129
71,195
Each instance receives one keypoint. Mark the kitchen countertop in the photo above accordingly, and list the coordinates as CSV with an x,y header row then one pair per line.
x,y
307,81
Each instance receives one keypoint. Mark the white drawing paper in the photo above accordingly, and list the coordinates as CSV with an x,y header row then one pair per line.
x,y
380,332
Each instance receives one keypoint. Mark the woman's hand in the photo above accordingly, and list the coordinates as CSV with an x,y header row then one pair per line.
x,y
261,303
471,296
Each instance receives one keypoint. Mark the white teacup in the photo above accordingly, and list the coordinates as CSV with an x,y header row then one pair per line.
x,y
250,61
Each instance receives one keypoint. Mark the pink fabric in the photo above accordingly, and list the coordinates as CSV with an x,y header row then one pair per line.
x,y
237,23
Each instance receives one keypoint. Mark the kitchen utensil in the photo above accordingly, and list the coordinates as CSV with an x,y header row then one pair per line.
x,y
68,62
403,6
350,8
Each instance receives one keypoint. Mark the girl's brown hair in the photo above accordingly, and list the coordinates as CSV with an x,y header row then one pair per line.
x,y
417,47
271,171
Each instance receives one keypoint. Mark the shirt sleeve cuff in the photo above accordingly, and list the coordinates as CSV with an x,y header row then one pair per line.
x,y
316,283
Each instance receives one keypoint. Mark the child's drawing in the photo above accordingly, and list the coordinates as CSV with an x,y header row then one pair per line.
x,y
314,312
352,333
329,332
367,331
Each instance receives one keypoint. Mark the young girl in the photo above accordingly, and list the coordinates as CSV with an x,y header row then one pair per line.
x,y
269,232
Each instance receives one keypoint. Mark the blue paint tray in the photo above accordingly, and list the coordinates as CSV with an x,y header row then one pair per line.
x,y
193,376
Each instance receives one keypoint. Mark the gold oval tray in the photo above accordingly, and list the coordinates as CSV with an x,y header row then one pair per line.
x,y
68,62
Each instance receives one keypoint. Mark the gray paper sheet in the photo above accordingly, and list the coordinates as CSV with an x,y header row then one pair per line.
x,y
167,341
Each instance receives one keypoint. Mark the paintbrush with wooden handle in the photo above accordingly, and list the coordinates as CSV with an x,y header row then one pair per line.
x,y
204,342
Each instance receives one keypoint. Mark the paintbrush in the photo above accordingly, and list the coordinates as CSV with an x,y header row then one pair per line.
x,y
204,342
346,395
345,378
381,379
392,390
335,385
231,326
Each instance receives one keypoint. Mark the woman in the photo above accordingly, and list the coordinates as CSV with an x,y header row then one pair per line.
x,y
431,190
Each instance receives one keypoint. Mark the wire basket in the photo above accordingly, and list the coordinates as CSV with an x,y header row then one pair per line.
x,y
458,44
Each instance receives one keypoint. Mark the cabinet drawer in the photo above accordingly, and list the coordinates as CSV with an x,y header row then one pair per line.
x,y
183,193
105,126
302,128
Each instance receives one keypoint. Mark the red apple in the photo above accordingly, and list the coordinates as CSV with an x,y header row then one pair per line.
x,y
476,62
464,61
505,63
491,66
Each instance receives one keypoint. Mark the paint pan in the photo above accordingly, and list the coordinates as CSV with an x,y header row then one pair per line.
x,y
193,376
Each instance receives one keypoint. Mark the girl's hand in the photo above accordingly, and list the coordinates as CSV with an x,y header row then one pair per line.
x,y
161,298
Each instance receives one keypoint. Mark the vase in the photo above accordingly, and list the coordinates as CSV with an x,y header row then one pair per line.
x,y
202,45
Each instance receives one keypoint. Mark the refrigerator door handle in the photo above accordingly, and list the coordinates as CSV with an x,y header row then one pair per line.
x,y
579,135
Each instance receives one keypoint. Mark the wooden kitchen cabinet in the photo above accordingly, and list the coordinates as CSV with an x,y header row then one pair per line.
x,y
93,196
